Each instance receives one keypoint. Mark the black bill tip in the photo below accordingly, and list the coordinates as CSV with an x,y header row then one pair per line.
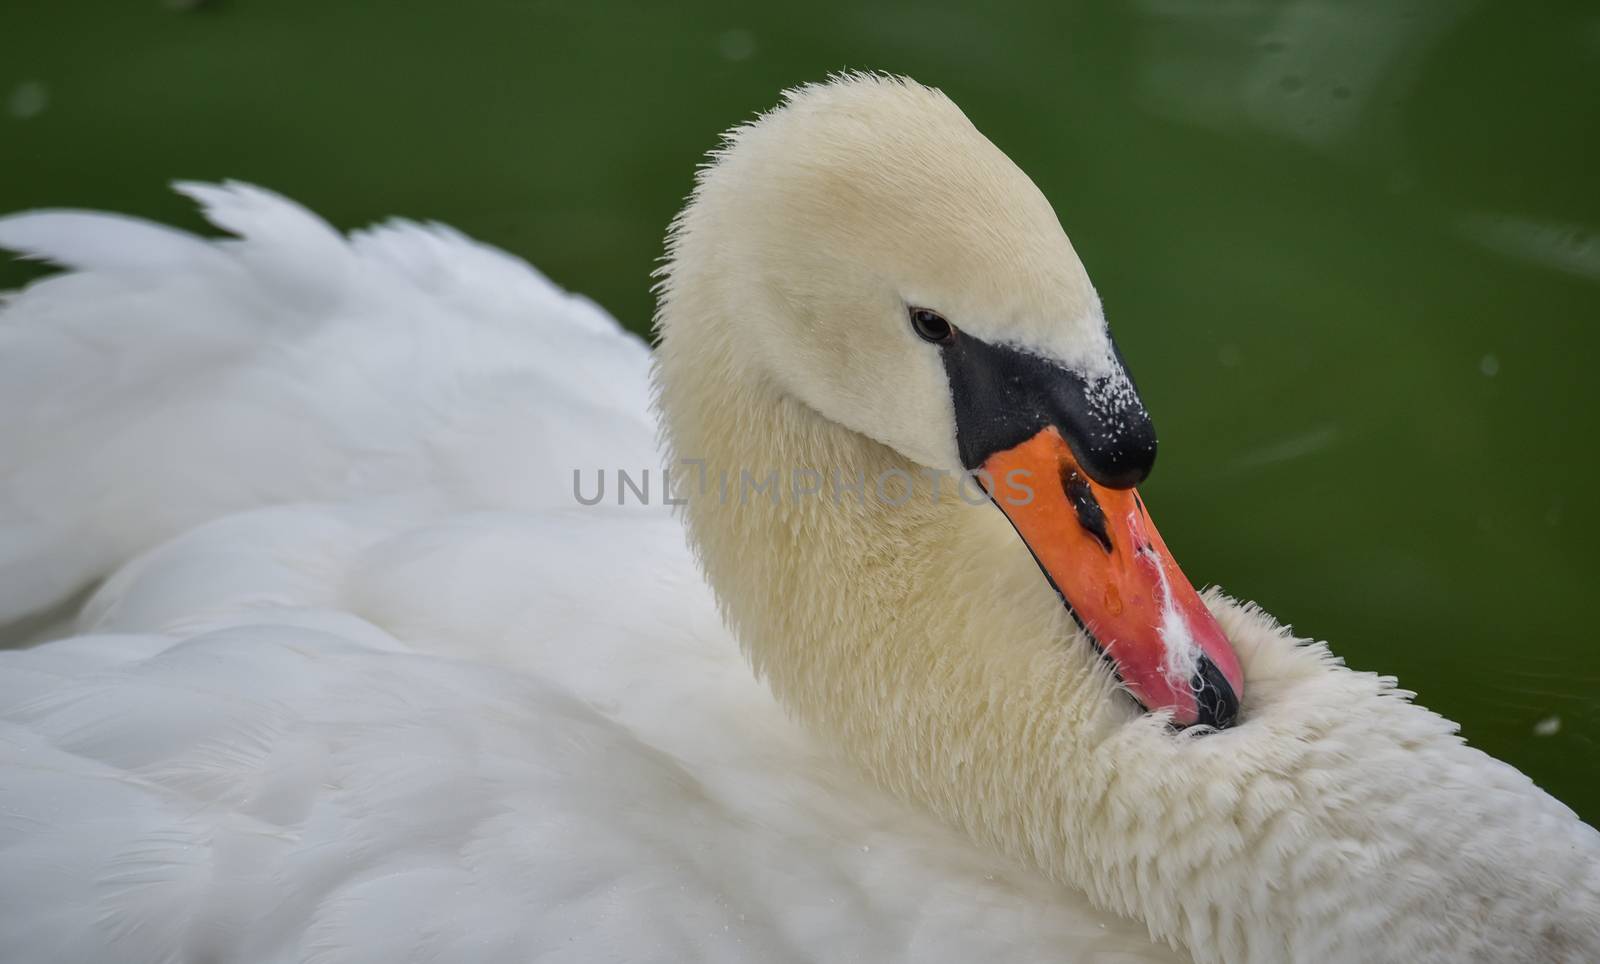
x,y
1217,704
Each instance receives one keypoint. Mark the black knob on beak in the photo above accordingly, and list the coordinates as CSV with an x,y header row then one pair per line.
x,y
1003,396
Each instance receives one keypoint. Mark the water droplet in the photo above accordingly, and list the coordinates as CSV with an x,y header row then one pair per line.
x,y
737,44
1490,365
28,100
1549,726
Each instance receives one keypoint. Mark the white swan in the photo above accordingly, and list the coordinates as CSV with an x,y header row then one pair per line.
x,y
367,685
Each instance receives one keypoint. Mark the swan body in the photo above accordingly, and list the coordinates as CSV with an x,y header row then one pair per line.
x,y
364,682
345,694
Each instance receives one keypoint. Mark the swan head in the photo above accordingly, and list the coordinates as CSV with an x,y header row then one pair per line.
x,y
884,264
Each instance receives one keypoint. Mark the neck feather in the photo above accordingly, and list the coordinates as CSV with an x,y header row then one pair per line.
x,y
921,638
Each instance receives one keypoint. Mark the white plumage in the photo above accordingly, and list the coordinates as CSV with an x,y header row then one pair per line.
x,y
362,682
349,695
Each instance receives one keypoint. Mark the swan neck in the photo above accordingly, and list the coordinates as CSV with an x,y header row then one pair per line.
x,y
893,611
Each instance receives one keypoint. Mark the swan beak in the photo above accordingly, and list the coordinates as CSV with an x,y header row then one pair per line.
x,y
1102,553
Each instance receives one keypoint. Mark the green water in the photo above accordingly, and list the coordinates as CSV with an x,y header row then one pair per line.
x,y
1351,251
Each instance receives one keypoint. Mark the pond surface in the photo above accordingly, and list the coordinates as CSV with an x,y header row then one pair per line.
x,y
1351,250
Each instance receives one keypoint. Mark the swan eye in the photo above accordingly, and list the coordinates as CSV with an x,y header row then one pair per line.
x,y
931,326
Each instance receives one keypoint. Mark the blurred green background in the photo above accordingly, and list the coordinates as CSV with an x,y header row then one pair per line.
x,y
1349,249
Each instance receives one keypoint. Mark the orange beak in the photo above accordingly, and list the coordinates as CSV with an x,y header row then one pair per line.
x,y
1102,553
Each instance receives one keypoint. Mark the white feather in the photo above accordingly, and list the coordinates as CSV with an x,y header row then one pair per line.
x,y
346,694
152,392
361,682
